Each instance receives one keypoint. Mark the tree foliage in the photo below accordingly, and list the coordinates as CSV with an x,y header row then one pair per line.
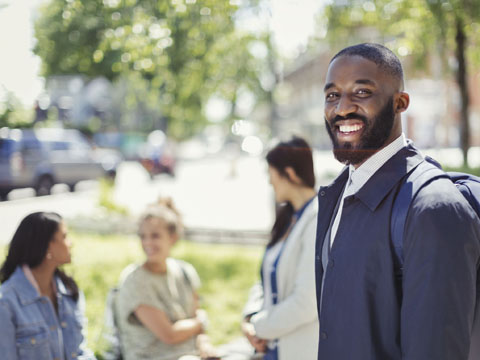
x,y
418,28
12,112
421,29
179,52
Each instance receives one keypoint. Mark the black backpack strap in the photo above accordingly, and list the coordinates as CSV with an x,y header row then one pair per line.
x,y
110,332
423,174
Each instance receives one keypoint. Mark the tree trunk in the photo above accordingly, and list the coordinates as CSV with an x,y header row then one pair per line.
x,y
463,87
272,66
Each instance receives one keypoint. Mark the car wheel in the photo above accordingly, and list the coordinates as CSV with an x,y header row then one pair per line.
x,y
111,174
3,195
44,186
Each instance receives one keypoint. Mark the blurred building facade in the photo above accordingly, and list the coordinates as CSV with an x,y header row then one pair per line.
x,y
75,99
431,120
301,99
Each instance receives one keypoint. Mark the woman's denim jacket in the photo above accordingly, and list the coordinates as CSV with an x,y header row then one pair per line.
x,y
30,328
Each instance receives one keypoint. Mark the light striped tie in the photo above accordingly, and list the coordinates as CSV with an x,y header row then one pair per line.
x,y
349,190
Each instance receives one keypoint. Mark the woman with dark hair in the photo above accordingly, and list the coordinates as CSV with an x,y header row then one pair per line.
x,y
280,316
41,310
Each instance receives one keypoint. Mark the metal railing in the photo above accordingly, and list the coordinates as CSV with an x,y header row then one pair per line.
x,y
223,236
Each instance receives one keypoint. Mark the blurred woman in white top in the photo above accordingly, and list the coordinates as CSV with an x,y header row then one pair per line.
x,y
280,316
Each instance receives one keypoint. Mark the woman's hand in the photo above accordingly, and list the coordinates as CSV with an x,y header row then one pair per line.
x,y
248,330
205,348
202,318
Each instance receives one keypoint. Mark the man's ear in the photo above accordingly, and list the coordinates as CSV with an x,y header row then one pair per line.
x,y
292,176
402,100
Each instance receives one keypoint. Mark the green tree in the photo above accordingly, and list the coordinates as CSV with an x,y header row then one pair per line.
x,y
174,49
12,113
418,28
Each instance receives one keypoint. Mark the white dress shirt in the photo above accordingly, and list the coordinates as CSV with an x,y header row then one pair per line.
x,y
358,177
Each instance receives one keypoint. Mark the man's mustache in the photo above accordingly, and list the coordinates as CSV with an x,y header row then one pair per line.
x,y
352,116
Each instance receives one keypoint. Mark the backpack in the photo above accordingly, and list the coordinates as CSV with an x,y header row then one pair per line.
x,y
110,333
423,174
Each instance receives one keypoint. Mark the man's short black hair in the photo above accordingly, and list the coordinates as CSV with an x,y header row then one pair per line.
x,y
379,54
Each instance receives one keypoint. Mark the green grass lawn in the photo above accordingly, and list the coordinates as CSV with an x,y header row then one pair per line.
x,y
227,273
465,169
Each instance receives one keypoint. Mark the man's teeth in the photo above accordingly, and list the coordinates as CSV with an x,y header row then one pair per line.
x,y
350,128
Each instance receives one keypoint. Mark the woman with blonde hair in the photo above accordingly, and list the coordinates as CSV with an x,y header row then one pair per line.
x,y
157,302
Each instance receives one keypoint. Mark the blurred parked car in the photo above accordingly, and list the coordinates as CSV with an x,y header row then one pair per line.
x,y
157,154
127,144
41,158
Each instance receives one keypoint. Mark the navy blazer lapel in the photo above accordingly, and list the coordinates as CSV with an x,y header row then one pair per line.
x,y
327,201
389,175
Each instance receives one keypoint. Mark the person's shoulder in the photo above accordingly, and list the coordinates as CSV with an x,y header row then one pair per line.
x,y
181,264
441,196
13,285
440,192
129,274
312,208
9,294
6,291
7,299
186,271
310,214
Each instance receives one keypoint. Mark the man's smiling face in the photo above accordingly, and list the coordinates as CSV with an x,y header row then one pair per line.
x,y
359,108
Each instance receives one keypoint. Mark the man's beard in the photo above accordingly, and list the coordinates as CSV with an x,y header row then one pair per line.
x,y
375,134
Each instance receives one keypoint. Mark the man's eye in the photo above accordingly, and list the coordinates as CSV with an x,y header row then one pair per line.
x,y
331,96
364,92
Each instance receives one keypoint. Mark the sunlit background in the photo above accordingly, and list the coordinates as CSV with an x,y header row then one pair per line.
x,y
106,105
292,22
182,98
231,181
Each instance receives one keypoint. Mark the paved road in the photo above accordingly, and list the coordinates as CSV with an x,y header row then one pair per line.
x,y
209,193
212,193
67,204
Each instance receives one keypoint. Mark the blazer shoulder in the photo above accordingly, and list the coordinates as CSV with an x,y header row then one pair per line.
x,y
441,207
441,194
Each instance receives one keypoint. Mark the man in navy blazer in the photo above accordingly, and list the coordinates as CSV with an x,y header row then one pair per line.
x,y
367,310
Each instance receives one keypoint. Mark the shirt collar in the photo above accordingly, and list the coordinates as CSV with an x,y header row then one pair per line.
x,y
23,287
389,175
358,177
29,275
